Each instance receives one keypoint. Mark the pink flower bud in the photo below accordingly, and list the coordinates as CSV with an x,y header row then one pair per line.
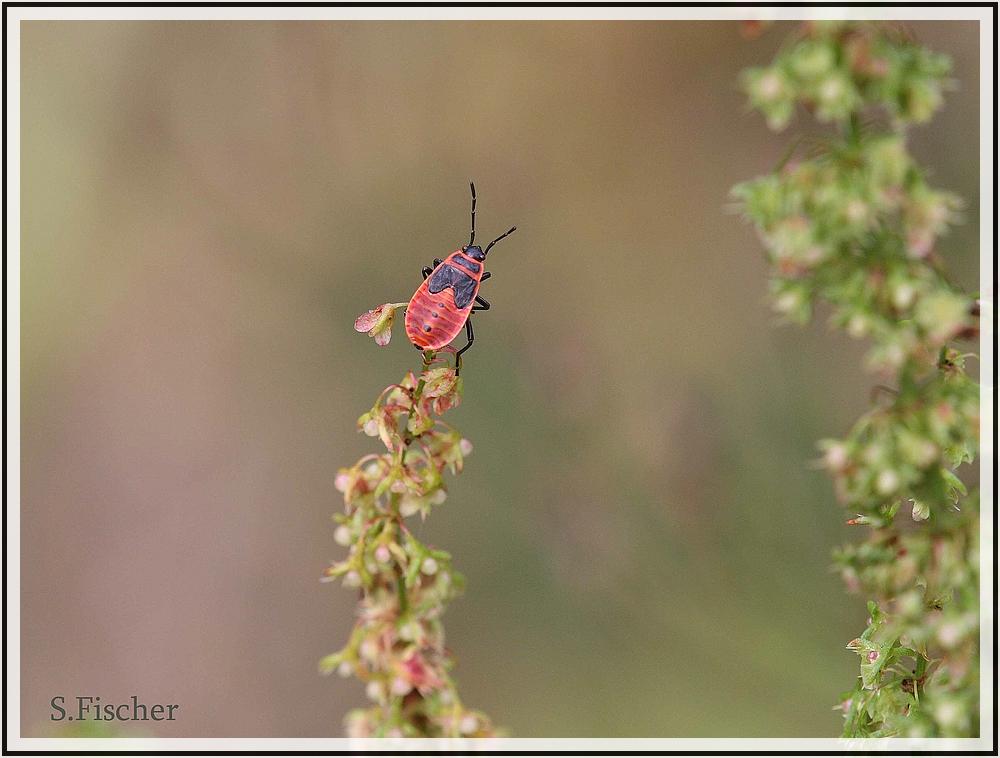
x,y
358,725
787,302
919,244
879,68
887,482
858,326
836,456
856,211
352,580
832,88
949,634
400,686
948,713
902,296
342,535
368,649
374,691
895,355
409,505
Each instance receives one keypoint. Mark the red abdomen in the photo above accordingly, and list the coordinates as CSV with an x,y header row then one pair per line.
x,y
442,304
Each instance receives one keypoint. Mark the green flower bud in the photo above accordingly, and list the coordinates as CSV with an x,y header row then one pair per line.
x,y
858,326
771,86
917,450
903,295
950,713
942,315
888,161
921,99
836,97
812,60
770,91
857,212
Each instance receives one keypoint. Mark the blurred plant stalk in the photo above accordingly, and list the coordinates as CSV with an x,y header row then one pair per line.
x,y
850,220
397,645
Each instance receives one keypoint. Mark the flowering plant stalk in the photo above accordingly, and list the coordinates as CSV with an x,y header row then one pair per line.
x,y
853,222
397,645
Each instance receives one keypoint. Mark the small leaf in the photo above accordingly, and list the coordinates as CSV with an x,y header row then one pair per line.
x,y
386,429
420,421
378,322
413,571
954,482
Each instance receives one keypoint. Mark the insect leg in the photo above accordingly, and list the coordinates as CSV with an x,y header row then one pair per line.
x,y
470,334
428,270
486,275
482,304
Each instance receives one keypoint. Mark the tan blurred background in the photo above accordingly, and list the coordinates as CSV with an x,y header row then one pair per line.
x,y
206,207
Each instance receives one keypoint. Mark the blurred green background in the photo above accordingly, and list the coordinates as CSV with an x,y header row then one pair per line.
x,y
207,206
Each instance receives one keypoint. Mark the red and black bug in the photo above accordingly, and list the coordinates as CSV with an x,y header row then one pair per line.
x,y
449,295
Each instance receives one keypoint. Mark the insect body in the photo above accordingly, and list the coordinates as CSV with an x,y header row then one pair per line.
x,y
449,295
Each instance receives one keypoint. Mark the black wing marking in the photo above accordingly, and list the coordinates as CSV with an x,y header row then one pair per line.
x,y
468,265
463,285
441,279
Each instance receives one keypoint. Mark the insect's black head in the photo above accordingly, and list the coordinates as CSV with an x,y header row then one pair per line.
x,y
474,251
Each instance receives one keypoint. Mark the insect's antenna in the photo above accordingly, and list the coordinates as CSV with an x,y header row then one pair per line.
x,y
513,228
473,237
